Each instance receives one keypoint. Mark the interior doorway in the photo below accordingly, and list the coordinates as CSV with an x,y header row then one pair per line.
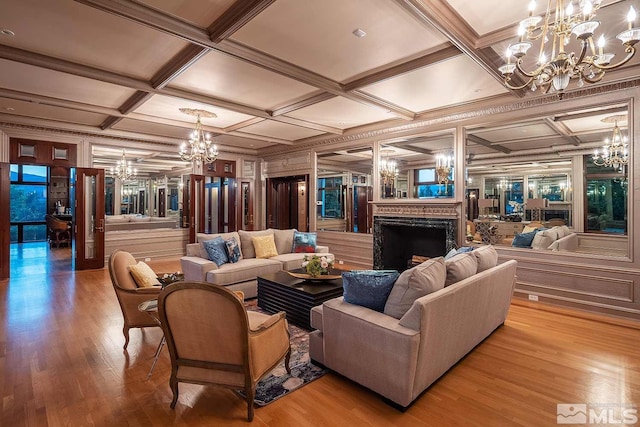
x,y
287,202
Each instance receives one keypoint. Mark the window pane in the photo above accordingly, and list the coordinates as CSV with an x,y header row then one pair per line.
x,y
13,232
34,233
34,173
13,172
28,202
426,175
607,205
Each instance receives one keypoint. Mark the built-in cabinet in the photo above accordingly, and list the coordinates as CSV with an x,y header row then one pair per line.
x,y
58,189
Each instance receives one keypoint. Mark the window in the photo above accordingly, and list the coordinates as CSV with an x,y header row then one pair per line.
x,y
427,185
606,199
330,198
28,201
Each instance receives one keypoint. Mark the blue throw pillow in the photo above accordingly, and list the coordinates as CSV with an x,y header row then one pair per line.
x,y
217,250
464,249
304,242
233,250
523,240
368,288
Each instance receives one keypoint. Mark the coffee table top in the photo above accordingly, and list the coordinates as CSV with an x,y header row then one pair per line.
x,y
283,278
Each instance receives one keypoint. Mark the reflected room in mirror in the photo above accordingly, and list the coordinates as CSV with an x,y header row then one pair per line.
x,y
417,167
527,177
344,190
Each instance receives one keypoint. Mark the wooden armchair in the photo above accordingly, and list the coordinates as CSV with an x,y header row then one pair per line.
x,y
213,339
129,295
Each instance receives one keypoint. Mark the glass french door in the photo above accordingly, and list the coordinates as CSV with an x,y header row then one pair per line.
x,y
87,201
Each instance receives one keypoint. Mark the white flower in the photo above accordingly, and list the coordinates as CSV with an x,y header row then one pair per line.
x,y
305,263
324,264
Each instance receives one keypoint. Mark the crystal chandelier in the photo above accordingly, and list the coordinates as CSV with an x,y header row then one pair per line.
x,y
201,148
123,169
555,29
443,168
615,152
388,169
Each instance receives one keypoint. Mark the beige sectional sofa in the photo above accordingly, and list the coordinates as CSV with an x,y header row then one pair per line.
x,y
401,357
242,275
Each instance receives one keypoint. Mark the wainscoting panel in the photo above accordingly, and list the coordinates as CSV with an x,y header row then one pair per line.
x,y
155,244
354,249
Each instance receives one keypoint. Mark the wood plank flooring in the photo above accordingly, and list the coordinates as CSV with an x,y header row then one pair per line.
x,y
62,364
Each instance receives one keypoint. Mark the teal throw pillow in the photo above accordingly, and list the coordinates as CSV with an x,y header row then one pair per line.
x,y
217,250
233,250
304,242
368,288
523,240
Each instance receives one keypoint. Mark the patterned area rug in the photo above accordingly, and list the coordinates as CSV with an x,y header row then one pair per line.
x,y
278,383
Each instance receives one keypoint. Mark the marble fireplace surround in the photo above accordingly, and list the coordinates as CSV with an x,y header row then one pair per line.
x,y
411,220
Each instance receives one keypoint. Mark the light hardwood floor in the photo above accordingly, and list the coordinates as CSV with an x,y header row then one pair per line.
x,y
62,364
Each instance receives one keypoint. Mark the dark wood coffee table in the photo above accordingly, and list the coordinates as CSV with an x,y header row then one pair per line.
x,y
283,292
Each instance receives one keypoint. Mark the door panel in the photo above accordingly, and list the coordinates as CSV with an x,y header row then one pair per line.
x,y
88,216
5,238
195,203
246,206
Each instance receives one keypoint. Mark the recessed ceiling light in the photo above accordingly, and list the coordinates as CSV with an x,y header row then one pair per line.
x,y
9,108
7,32
359,32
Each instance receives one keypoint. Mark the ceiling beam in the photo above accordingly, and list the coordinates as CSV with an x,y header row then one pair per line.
x,y
481,141
568,116
442,53
235,17
563,130
178,64
110,122
244,124
305,102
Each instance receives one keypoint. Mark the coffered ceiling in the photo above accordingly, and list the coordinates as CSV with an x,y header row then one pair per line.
x,y
275,72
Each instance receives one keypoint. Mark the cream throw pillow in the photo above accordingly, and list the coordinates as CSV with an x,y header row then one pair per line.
x,y
265,246
460,267
143,275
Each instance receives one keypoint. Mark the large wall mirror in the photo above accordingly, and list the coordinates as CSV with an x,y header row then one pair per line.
x,y
417,167
344,190
563,169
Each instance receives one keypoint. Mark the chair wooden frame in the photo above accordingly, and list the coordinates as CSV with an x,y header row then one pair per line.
x,y
130,296
270,328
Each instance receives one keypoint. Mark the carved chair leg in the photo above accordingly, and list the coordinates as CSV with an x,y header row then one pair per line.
x,y
251,394
125,331
173,383
287,358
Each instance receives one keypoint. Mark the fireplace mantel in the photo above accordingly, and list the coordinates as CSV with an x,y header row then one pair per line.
x,y
414,208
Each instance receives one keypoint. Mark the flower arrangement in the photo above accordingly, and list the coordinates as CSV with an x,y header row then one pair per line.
x,y
316,265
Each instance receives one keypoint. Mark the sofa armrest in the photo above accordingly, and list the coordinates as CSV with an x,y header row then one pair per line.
x,y
569,242
370,348
196,268
322,249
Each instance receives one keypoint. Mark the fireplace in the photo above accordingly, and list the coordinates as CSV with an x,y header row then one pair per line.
x,y
397,239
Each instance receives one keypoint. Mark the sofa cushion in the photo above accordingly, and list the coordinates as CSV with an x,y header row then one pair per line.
x,y
216,250
566,230
460,267
559,231
523,240
233,250
543,239
265,246
414,283
143,275
202,237
246,245
284,240
304,242
244,270
368,288
486,256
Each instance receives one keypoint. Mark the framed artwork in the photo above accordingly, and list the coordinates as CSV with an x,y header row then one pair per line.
x,y
355,179
363,179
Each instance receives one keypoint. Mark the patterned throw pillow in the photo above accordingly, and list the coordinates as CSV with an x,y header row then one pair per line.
x,y
216,250
265,246
304,242
143,275
233,250
368,288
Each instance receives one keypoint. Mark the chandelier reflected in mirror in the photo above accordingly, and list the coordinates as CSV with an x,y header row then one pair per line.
x,y
123,170
200,148
388,168
444,164
615,152
555,67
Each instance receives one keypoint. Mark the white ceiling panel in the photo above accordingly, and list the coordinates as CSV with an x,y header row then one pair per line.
x,y
317,35
168,108
341,113
222,76
75,32
151,128
280,130
201,13
36,80
448,82
489,15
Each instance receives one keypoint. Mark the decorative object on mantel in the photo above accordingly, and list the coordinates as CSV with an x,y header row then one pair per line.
x,y
201,148
615,152
123,169
555,29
